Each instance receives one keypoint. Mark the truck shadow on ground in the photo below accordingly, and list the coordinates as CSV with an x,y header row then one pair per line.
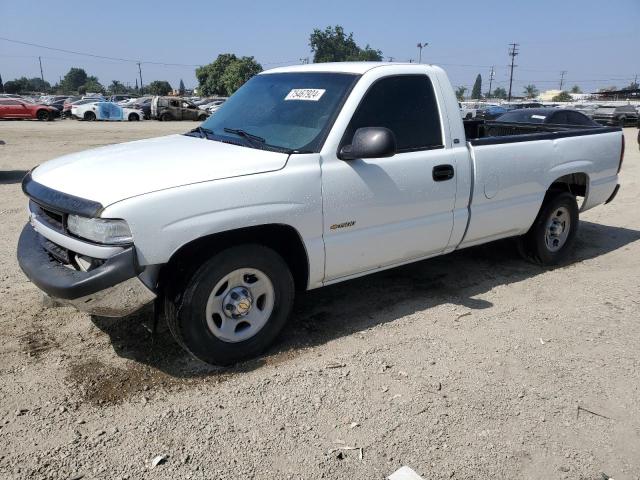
x,y
343,309
11,176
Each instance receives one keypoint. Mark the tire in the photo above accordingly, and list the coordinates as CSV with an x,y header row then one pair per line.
x,y
196,315
553,233
43,115
89,116
202,118
134,117
622,122
166,117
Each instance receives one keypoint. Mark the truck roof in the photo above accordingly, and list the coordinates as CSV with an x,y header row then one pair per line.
x,y
346,67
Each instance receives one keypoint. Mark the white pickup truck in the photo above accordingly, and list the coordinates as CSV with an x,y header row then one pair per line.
x,y
307,176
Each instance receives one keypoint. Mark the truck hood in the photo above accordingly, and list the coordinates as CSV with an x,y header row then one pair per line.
x,y
116,172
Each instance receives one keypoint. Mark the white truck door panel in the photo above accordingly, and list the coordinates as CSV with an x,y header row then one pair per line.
x,y
384,211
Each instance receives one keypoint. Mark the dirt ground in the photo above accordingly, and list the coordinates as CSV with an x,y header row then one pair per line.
x,y
473,365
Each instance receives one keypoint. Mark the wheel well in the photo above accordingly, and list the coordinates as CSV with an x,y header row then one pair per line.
x,y
575,183
284,239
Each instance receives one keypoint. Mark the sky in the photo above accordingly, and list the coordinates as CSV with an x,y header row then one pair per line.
x,y
597,43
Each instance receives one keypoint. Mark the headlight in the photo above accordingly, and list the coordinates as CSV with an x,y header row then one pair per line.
x,y
100,230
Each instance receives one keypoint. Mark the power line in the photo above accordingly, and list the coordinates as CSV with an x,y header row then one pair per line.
x,y
513,51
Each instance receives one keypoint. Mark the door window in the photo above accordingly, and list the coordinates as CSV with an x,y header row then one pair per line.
x,y
407,106
576,118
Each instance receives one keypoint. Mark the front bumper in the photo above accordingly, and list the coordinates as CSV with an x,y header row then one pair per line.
x,y
112,289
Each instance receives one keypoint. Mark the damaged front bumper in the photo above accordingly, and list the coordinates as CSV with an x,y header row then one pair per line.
x,y
112,289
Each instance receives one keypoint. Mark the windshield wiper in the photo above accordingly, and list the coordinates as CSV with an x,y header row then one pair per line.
x,y
244,134
204,132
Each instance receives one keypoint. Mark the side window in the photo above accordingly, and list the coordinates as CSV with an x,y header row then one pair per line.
x,y
407,106
559,118
174,103
576,118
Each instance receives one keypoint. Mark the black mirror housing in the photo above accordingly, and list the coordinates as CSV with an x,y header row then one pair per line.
x,y
370,142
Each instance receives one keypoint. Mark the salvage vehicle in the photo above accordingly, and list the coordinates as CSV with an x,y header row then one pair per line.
x,y
345,169
528,120
622,115
106,111
14,108
175,108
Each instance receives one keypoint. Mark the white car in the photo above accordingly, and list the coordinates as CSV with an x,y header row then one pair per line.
x,y
327,181
106,111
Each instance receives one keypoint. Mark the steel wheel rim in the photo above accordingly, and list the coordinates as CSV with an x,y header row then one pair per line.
x,y
557,229
240,305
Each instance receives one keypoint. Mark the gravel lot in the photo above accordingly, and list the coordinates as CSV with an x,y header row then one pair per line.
x,y
473,365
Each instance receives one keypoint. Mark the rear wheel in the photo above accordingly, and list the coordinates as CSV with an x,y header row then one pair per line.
x,y
202,118
166,117
233,306
552,235
89,116
43,115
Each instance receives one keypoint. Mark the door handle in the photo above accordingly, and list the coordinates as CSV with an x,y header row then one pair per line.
x,y
442,173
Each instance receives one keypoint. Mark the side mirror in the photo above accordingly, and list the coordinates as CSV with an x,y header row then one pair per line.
x,y
370,142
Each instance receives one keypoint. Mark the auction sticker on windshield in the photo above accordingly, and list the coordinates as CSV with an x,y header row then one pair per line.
x,y
308,94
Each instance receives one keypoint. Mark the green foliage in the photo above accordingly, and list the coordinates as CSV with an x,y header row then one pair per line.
x,y
576,89
226,74
460,92
531,91
117,87
562,97
476,91
25,85
499,93
181,88
333,45
92,85
632,86
159,87
74,78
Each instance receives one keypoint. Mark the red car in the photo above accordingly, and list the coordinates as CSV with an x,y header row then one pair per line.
x,y
16,108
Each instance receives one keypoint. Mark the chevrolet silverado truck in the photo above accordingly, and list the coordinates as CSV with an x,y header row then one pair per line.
x,y
307,176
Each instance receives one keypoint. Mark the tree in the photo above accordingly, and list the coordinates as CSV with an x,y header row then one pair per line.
x,y
576,89
333,45
225,74
460,92
238,73
24,85
159,87
74,78
180,88
117,87
92,85
632,86
611,88
562,97
531,91
499,93
476,91
1,84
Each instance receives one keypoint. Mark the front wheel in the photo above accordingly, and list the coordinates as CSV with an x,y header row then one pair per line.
x,y
43,115
233,306
90,116
552,235
134,117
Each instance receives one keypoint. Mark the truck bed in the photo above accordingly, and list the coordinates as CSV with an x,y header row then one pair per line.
x,y
477,129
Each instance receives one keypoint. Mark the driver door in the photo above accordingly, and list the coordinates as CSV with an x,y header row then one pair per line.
x,y
379,212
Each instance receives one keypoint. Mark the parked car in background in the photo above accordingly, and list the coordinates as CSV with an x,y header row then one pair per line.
x,y
466,112
143,103
620,115
547,116
518,105
175,108
120,97
214,106
491,112
586,108
68,107
11,108
106,111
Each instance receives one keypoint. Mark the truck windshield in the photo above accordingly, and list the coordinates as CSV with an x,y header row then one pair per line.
x,y
289,111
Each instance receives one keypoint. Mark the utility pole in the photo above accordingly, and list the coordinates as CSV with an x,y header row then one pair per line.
x,y
491,75
41,75
420,47
513,51
140,72
562,74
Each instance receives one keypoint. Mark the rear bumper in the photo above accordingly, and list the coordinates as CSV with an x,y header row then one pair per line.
x,y
112,289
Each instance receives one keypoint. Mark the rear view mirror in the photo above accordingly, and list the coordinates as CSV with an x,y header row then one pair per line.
x,y
370,142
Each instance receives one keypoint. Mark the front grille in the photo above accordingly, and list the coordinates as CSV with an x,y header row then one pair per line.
x,y
54,220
